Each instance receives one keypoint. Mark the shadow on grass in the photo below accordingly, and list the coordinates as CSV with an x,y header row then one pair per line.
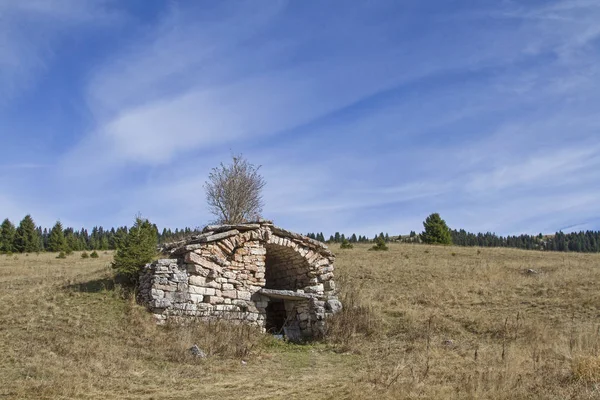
x,y
94,286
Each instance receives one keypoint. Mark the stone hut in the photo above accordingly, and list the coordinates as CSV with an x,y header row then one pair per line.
x,y
254,273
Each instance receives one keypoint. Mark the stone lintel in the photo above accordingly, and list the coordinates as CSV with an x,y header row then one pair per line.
x,y
286,294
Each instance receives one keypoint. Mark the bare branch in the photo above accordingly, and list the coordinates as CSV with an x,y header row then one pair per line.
x,y
233,192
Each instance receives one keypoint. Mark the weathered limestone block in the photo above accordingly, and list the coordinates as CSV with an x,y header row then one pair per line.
x,y
260,251
252,316
196,298
223,262
196,289
333,305
326,277
197,280
196,269
329,285
226,245
229,275
315,289
202,290
222,235
224,307
193,258
243,295
213,284
160,303
169,287
170,295
214,300
181,297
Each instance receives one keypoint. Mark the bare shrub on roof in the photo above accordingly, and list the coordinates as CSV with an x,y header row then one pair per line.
x,y
233,191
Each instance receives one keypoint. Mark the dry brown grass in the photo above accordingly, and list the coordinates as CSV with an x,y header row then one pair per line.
x,y
419,323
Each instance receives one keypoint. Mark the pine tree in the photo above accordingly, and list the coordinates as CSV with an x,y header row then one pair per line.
x,y
56,240
104,242
72,240
7,235
136,249
26,238
436,230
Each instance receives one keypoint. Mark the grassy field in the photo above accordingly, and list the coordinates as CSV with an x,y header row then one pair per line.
x,y
420,322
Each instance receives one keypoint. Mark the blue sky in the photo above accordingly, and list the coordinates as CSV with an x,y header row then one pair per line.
x,y
365,116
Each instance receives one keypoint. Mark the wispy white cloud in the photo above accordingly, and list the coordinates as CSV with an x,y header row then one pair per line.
x,y
22,166
362,122
31,29
539,170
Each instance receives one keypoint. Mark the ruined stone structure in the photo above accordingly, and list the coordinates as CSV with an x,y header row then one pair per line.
x,y
254,273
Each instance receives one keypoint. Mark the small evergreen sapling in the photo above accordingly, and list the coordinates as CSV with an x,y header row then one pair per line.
x,y
94,254
136,250
346,244
379,245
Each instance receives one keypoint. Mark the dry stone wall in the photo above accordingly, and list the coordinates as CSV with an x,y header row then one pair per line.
x,y
243,273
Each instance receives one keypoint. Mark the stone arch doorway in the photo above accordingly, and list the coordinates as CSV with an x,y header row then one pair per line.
x,y
285,270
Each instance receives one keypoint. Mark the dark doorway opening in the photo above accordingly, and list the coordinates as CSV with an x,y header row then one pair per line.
x,y
285,268
276,316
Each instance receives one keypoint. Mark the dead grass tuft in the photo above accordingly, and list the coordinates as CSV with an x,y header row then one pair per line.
x,y
358,321
587,369
218,339
417,322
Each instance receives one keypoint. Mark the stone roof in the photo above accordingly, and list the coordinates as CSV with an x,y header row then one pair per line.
x,y
214,233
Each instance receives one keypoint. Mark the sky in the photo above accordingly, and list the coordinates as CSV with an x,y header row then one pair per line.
x,y
365,116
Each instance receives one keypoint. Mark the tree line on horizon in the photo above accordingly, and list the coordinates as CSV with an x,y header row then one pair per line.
x,y
29,238
437,232
341,238
26,237
580,242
